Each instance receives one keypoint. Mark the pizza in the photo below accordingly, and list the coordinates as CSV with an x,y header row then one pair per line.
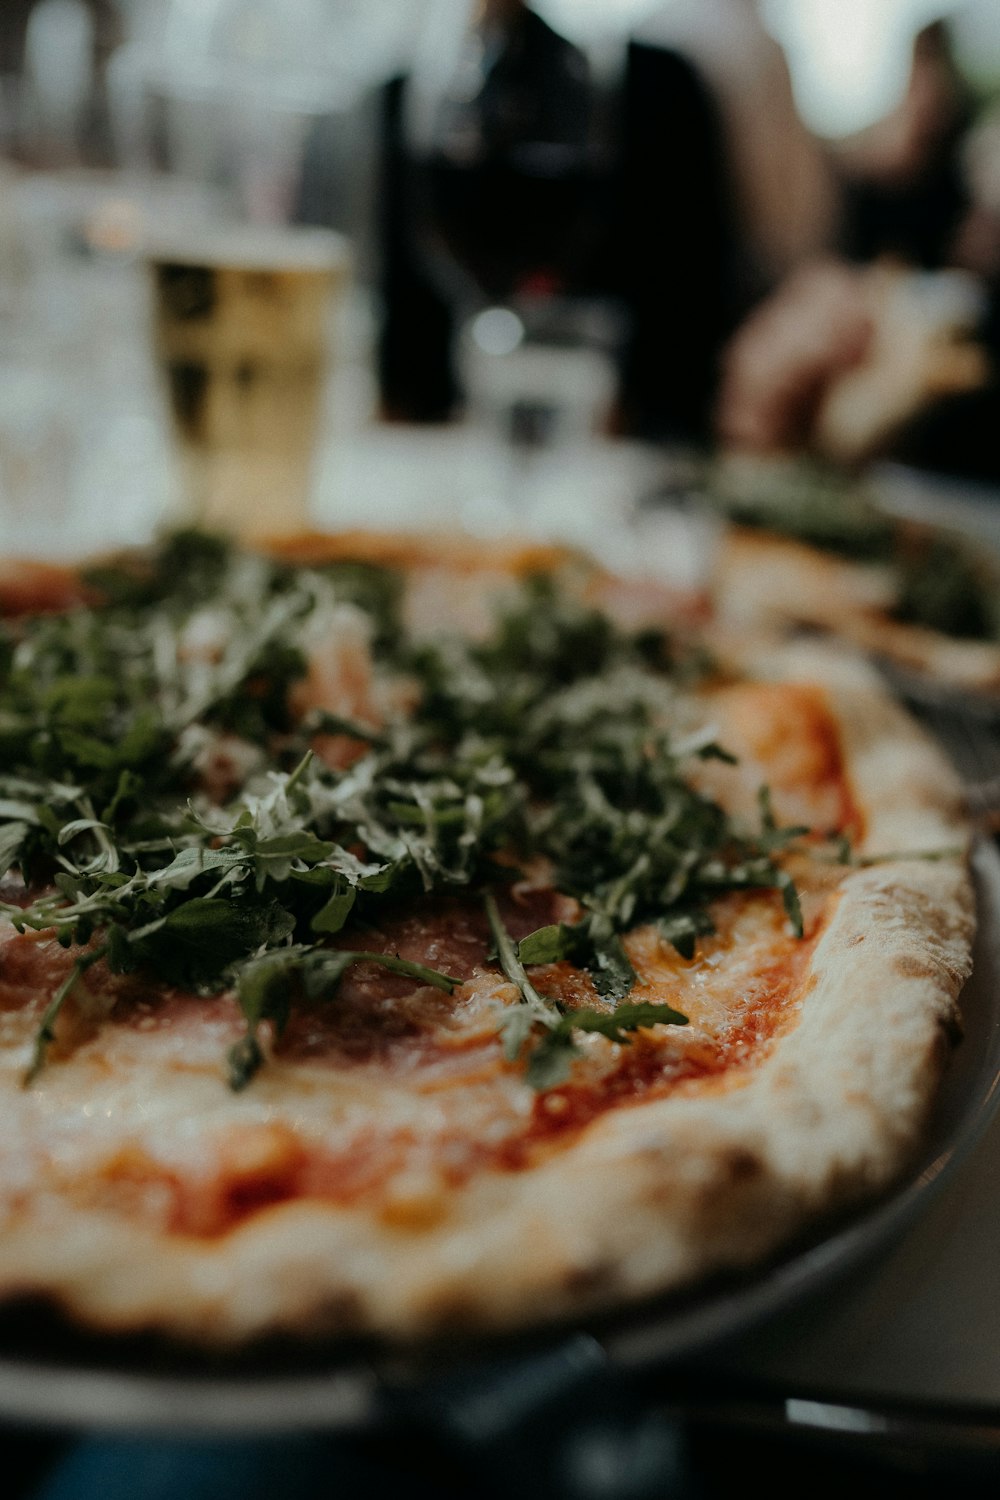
x,y
810,547
403,937
767,583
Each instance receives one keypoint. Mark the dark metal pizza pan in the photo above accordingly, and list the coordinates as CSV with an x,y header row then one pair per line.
x,y
51,1377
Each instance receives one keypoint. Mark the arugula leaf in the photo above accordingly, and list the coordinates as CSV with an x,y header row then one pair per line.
x,y
551,1059
263,988
193,862
546,945
593,944
334,913
617,1024
396,965
611,968
682,928
45,1034
12,836
517,1022
790,900
196,941
265,984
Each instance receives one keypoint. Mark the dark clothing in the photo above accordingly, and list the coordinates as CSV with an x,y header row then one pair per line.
x,y
415,362
959,435
508,214
672,247
641,218
917,222
914,221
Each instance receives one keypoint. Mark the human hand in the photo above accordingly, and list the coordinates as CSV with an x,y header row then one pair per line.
x,y
780,364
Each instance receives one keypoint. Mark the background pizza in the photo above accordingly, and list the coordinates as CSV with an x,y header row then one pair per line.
x,y
808,546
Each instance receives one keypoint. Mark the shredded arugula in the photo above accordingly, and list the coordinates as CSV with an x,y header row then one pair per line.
x,y
555,738
549,1059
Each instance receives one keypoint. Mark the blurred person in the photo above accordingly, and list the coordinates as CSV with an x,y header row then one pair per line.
x,y
960,433
723,191
891,348
38,42
780,363
484,160
694,188
977,242
905,189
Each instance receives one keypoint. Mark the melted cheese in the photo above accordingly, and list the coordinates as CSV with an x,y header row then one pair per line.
x,y
133,1115
783,737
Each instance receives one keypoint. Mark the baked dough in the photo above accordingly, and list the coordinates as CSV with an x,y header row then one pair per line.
x,y
765,583
387,1171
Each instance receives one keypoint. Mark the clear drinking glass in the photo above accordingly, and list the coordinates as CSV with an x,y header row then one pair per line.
x,y
243,335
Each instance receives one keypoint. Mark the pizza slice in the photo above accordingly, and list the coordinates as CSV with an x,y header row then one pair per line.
x,y
809,547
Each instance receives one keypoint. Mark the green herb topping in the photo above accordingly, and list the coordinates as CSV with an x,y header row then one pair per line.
x,y
557,739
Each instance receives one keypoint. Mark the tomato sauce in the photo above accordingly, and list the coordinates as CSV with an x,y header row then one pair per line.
x,y
381,1020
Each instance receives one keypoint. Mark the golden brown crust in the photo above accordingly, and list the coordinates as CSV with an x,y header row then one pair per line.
x,y
760,578
766,582
416,549
963,664
36,586
644,1199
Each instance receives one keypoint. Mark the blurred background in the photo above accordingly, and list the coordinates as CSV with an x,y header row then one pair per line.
x,y
570,250
584,237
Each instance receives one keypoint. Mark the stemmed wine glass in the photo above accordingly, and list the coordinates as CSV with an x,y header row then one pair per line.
x,y
492,223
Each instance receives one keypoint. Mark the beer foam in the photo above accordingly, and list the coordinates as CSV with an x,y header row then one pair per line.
x,y
248,247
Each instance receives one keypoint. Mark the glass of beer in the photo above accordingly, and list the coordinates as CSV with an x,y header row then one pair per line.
x,y
243,322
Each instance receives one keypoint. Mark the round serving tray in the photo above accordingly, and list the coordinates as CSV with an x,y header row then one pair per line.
x,y
55,1378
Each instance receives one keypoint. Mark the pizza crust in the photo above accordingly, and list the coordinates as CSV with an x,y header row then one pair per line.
x,y
646,1199
764,583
